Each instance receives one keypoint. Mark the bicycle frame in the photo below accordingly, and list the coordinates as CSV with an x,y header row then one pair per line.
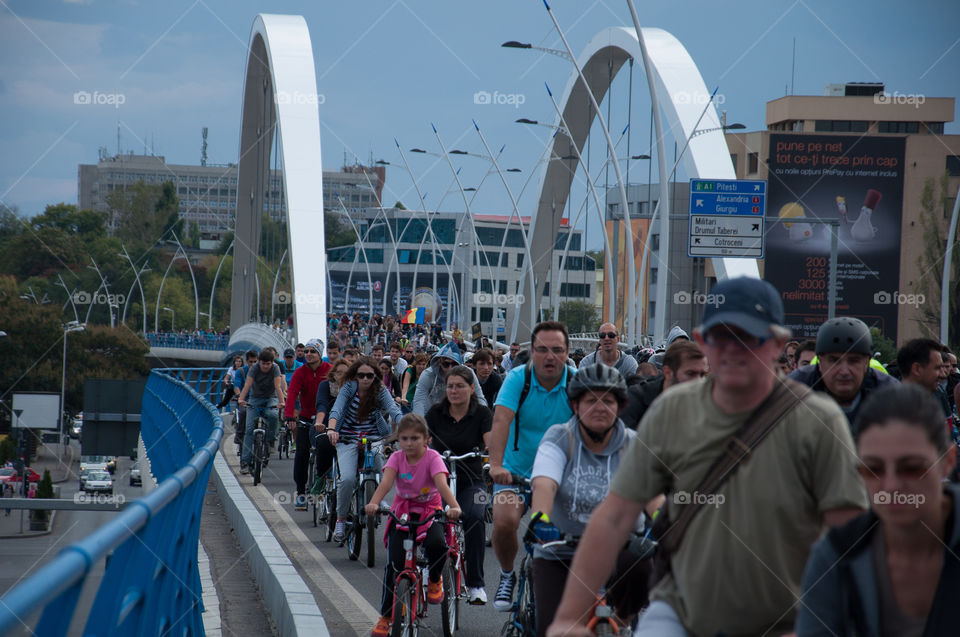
x,y
412,570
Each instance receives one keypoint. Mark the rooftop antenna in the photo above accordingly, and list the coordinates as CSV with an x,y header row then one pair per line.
x,y
118,138
793,65
203,147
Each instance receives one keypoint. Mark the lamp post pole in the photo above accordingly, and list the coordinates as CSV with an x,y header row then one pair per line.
x,y
72,326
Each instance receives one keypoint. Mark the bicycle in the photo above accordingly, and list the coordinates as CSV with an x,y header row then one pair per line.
x,y
367,482
261,453
283,441
523,617
456,550
409,589
323,491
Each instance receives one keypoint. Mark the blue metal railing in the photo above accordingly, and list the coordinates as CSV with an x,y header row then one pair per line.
x,y
206,381
151,584
216,342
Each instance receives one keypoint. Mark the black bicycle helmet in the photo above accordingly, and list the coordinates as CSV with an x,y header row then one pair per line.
x,y
597,377
844,334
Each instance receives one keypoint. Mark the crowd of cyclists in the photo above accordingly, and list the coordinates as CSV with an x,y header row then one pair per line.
x,y
731,482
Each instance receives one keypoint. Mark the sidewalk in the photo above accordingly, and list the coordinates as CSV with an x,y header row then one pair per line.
x,y
66,468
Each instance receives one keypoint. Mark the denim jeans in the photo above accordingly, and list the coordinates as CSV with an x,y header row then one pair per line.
x,y
348,455
660,620
269,415
472,499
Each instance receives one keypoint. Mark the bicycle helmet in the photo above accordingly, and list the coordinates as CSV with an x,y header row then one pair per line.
x,y
597,377
844,334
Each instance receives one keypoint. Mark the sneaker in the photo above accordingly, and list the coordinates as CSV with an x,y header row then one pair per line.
x,y
301,502
435,592
244,469
317,487
503,600
476,596
339,532
382,629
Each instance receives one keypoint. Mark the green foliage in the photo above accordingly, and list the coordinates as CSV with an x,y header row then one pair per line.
x,y
338,231
399,205
934,220
598,257
194,234
8,449
884,345
45,486
225,242
579,316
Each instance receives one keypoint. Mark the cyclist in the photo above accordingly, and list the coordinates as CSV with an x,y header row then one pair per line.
x,y
683,361
892,570
843,370
264,385
302,393
326,396
571,474
239,380
362,407
411,375
800,477
421,480
518,427
608,353
460,424
289,364
432,384
490,382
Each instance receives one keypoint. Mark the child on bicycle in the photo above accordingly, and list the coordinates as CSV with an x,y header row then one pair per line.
x,y
420,476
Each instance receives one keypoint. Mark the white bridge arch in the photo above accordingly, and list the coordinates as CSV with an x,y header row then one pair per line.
x,y
682,95
280,91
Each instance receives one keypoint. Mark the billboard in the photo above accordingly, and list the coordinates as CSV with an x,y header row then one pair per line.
x,y
856,182
434,300
37,410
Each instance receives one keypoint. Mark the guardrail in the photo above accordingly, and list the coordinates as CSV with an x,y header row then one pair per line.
x,y
151,584
213,342
206,381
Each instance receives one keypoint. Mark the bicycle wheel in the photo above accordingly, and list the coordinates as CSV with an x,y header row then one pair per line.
x,y
604,628
330,511
369,486
450,606
404,621
257,457
526,613
355,532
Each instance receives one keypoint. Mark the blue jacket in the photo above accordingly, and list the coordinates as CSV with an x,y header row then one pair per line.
x,y
385,405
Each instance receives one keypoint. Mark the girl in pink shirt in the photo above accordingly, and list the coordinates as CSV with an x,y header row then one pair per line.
x,y
420,476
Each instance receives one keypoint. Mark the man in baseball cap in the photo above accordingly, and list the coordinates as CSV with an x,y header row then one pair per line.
x,y
801,476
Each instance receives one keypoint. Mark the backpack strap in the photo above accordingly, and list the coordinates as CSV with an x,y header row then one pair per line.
x,y
527,378
785,396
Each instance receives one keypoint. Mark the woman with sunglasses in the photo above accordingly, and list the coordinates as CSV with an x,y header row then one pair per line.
x,y
364,407
894,570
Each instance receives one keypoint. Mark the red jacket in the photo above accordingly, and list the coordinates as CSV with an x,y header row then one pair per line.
x,y
303,385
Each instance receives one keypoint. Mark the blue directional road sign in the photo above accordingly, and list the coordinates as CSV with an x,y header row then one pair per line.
x,y
726,218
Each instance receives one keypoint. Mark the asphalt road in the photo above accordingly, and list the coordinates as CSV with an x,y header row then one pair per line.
x,y
278,480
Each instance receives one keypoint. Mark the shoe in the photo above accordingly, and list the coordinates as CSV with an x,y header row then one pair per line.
x,y
301,502
244,469
503,600
317,487
339,531
266,461
382,629
435,592
476,596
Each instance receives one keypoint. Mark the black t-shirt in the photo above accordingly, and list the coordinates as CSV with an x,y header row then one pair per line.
x,y
263,382
461,437
491,387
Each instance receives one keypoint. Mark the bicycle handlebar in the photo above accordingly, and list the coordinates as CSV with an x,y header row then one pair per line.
x,y
473,454
405,521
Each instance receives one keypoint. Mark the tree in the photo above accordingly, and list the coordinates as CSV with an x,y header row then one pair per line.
x,y
933,213
597,256
399,205
579,316
39,517
884,345
338,232
194,234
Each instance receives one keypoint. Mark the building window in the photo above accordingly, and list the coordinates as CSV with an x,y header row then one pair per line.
x,y
953,165
652,311
910,128
486,314
519,259
753,161
935,128
501,287
654,241
840,126
473,314
578,290
653,275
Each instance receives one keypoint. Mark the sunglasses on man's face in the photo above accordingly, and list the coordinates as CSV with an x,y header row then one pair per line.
x,y
365,375
608,335
447,364
312,351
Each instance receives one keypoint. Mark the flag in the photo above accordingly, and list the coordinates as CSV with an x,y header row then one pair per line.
x,y
415,315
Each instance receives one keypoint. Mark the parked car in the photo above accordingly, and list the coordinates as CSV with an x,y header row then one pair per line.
x,y
9,474
97,481
135,479
76,426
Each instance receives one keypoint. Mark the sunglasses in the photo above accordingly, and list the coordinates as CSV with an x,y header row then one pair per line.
x,y
608,335
909,470
365,375
447,364
722,338
312,351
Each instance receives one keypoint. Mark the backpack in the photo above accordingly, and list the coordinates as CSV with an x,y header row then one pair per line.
x,y
527,377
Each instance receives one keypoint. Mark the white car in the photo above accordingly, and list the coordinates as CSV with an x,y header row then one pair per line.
x,y
135,478
98,481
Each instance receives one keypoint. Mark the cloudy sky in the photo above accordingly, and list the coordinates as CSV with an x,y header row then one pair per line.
x,y
389,68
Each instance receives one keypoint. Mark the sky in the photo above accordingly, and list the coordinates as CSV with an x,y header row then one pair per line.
x,y
389,69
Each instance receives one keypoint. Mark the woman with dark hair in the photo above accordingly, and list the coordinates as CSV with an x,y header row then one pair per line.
x,y
362,408
410,377
893,570
388,378
460,424
327,392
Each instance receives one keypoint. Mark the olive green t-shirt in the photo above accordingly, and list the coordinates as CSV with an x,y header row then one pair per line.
x,y
741,561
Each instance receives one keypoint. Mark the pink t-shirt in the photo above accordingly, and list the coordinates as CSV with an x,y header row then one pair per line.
x,y
416,490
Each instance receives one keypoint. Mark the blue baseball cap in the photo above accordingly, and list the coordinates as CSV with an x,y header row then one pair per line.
x,y
751,304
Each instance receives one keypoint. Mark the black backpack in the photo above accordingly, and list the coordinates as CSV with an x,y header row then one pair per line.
x,y
527,377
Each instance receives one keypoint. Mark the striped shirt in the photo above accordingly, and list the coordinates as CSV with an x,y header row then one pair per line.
x,y
353,429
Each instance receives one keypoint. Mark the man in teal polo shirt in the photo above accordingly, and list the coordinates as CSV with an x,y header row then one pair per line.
x,y
545,404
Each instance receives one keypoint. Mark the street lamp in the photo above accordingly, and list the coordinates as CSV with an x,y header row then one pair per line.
x,y
72,326
173,317
513,44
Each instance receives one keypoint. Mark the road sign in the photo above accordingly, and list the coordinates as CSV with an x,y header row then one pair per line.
x,y
726,218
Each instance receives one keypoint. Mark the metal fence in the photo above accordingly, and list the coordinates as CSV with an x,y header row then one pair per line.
x,y
151,584
214,342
